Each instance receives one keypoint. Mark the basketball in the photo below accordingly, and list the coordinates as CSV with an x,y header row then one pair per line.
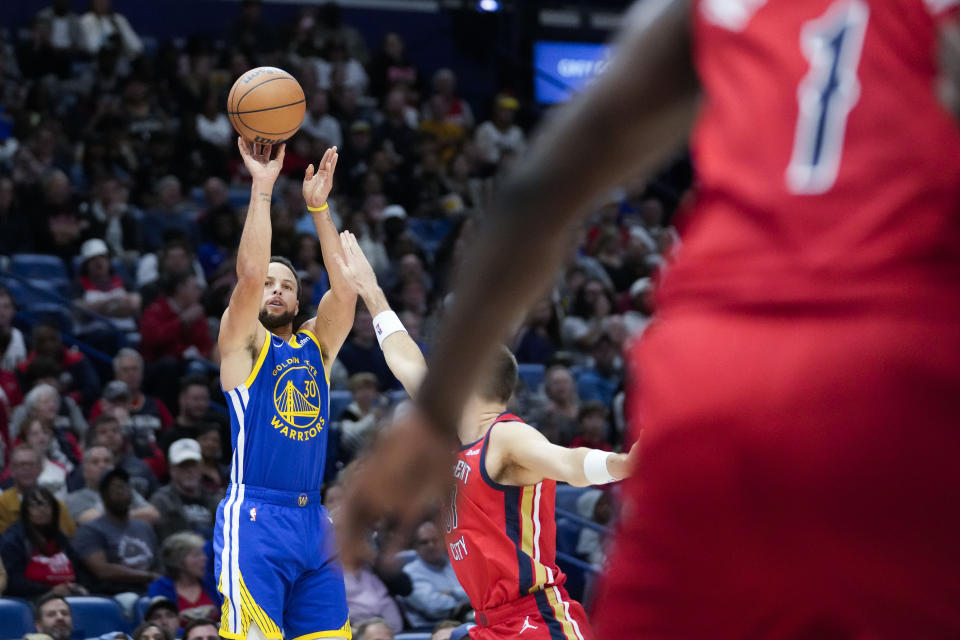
x,y
266,105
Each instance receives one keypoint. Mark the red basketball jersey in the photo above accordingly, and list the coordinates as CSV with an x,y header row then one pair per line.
x,y
828,172
502,540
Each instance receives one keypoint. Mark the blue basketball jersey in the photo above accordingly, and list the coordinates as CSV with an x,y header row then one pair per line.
x,y
279,417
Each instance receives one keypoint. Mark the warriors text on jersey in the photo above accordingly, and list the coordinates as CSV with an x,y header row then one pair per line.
x,y
279,417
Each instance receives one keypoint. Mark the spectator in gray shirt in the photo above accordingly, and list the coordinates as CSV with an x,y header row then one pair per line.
x,y
86,504
121,553
183,505
437,594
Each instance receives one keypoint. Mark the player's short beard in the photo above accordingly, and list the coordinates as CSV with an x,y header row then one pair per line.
x,y
272,322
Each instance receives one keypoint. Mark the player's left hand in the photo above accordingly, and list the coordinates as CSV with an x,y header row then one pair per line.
x,y
406,473
354,265
317,183
622,465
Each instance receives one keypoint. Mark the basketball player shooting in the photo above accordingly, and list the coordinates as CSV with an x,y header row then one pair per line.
x,y
275,552
800,388
500,526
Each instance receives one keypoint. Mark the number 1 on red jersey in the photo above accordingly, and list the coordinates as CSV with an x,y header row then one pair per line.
x,y
832,44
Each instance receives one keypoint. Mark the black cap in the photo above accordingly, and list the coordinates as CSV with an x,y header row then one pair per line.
x,y
160,602
116,472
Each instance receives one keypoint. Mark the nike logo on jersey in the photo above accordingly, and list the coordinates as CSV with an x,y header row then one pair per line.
x,y
527,625
472,452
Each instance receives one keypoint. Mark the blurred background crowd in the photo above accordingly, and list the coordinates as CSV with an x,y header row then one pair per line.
x,y
122,199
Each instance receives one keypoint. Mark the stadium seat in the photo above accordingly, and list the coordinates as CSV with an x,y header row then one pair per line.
x,y
531,375
413,635
576,571
140,610
94,616
39,266
339,401
398,395
567,497
16,618
568,532
429,234
51,312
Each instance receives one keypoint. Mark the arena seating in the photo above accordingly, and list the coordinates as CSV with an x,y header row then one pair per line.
x,y
93,616
531,375
16,618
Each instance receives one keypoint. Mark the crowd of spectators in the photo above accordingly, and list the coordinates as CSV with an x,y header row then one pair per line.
x,y
116,157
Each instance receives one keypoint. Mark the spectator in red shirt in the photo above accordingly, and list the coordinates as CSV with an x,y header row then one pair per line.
x,y
175,324
37,553
592,427
84,384
103,290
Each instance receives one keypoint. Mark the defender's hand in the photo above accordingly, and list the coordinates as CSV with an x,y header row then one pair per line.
x,y
317,184
354,265
622,465
256,157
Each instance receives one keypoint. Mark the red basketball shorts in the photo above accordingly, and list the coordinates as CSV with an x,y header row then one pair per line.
x,y
545,615
799,479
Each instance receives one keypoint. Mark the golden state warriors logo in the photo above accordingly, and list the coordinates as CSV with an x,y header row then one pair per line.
x,y
296,399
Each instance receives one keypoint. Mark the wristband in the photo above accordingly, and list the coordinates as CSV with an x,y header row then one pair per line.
x,y
595,467
385,324
318,209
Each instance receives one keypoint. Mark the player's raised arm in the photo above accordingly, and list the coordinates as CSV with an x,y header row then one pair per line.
x,y
519,455
629,120
335,311
241,333
402,354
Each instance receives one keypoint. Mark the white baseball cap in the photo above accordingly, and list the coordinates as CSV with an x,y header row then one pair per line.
x,y
184,450
92,248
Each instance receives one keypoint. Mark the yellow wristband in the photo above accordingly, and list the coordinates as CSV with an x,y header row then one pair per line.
x,y
318,209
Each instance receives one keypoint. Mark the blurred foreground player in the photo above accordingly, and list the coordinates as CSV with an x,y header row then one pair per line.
x,y
501,531
800,389
275,552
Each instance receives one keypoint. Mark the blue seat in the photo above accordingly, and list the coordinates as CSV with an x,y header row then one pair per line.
x,y
567,497
429,234
339,401
93,616
39,266
53,313
16,618
140,609
398,395
577,572
413,635
531,375
568,533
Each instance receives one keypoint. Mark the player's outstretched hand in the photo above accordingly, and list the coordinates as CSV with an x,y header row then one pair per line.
x,y
317,183
257,159
354,265
407,472
622,465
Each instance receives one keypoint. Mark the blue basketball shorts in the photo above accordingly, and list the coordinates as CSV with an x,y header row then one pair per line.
x,y
276,565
